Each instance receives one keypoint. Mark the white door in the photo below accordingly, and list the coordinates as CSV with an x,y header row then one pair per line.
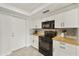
x,y
18,33
12,34
6,29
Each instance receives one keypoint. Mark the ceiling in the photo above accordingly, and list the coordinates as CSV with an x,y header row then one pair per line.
x,y
28,7
32,9
25,8
54,7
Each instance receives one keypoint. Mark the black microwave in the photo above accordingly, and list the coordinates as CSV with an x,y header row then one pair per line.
x,y
48,24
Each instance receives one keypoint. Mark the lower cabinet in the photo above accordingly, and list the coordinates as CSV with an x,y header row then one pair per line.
x,y
35,42
77,50
63,49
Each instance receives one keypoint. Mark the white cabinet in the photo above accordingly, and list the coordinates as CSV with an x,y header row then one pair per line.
x,y
63,49
58,21
77,50
35,42
18,33
49,18
67,19
35,23
12,34
6,30
70,18
38,25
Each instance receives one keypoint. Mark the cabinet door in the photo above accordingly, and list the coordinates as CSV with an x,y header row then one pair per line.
x,y
63,49
67,19
38,23
58,20
11,28
56,49
18,33
70,18
77,52
68,49
6,30
35,42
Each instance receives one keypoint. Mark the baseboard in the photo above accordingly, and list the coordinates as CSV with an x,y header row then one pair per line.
x,y
28,45
18,48
6,54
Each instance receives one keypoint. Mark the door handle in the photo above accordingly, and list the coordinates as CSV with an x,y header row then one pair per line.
x,y
33,41
13,35
63,24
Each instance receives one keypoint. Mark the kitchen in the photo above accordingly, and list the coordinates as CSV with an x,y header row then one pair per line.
x,y
52,29
67,23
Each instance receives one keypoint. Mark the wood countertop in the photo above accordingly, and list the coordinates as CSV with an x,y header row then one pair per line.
x,y
39,34
66,40
62,39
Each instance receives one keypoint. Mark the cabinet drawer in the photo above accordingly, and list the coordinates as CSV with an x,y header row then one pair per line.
x,y
59,54
68,49
64,48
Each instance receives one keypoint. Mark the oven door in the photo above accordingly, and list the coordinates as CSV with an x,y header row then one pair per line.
x,y
45,46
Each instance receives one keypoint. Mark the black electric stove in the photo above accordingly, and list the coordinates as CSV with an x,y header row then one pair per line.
x,y
46,43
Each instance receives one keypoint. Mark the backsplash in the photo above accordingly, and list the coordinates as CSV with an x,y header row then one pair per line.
x,y
70,32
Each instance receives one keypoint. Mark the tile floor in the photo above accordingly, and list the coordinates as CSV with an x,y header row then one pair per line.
x,y
30,51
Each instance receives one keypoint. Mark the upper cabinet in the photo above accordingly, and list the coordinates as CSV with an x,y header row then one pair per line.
x,y
36,24
67,19
58,20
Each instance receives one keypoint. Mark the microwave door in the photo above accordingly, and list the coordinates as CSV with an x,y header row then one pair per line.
x,y
46,25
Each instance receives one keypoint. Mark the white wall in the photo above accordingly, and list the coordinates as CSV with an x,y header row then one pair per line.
x,y
30,23
29,26
0,37
6,39
28,40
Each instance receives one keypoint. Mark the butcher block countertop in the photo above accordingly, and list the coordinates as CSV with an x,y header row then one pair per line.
x,y
39,34
62,39
66,40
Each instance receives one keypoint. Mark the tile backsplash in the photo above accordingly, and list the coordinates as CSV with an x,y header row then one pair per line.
x,y
70,32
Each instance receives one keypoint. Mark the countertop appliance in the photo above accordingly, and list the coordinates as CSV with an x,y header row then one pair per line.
x,y
46,42
48,24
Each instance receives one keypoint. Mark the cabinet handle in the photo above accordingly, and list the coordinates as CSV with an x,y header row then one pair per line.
x,y
63,24
13,35
33,41
62,47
